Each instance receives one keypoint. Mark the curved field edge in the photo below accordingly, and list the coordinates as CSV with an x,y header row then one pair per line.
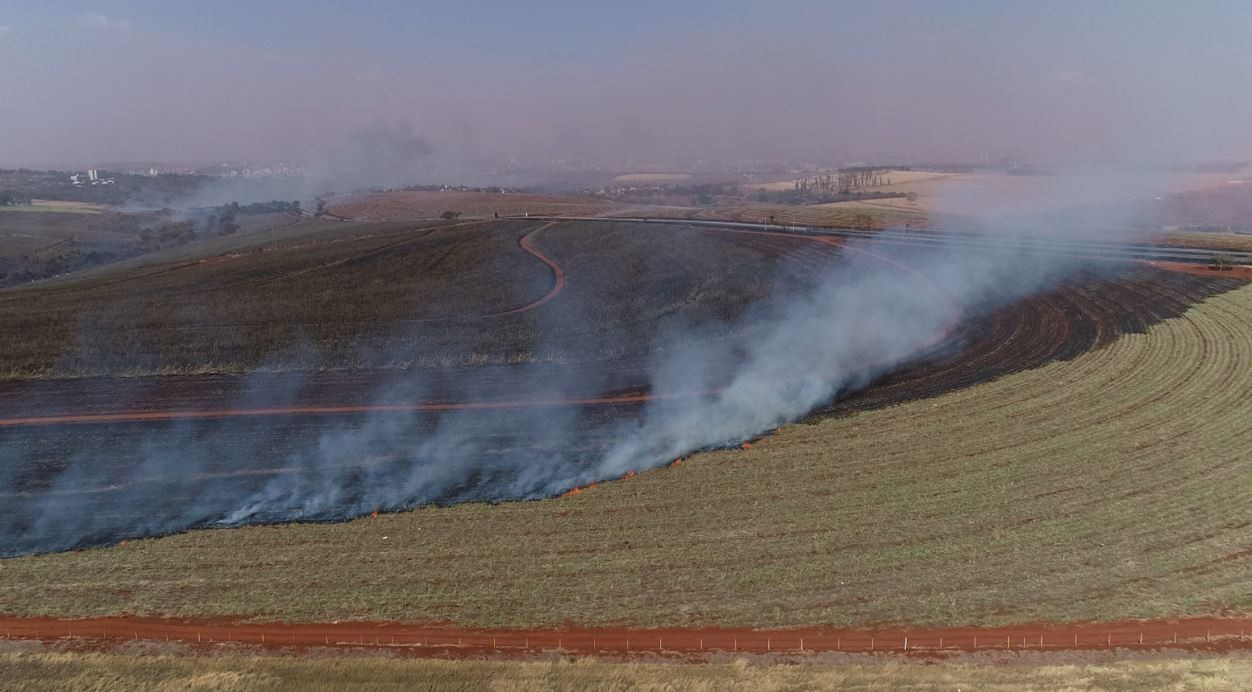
x,y
1116,485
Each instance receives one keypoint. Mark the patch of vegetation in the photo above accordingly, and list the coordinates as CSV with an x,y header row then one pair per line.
x,y
168,668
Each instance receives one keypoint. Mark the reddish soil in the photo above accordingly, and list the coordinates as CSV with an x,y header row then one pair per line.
x,y
1237,272
441,640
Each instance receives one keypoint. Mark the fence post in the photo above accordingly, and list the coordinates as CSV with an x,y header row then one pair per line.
x,y
906,643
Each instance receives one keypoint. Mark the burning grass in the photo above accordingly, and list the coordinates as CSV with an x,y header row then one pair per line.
x,y
1111,485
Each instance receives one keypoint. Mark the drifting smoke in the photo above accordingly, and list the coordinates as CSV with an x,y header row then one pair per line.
x,y
881,304
381,155
377,156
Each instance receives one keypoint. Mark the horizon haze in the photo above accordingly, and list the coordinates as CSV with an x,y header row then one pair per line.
x,y
704,82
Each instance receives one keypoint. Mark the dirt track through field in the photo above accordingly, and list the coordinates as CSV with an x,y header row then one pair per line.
x,y
1196,633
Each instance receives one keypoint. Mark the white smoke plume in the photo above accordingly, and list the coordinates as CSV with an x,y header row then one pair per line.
x,y
882,304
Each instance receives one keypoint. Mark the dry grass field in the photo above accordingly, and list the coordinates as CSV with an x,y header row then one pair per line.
x,y
143,668
841,215
26,230
651,178
420,205
360,296
1211,241
1114,484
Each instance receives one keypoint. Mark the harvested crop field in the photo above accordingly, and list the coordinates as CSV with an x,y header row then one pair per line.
x,y
396,296
1103,477
843,215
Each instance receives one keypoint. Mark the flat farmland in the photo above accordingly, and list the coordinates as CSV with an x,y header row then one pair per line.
x,y
841,215
389,296
173,667
1109,483
27,230
422,205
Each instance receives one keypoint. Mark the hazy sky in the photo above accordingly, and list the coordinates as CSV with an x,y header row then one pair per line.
x,y
148,80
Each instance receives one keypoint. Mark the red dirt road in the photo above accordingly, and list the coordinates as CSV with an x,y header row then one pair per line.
x,y
557,271
1206,632
1237,272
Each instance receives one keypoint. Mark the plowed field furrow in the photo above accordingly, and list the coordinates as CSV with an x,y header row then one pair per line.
x,y
1097,470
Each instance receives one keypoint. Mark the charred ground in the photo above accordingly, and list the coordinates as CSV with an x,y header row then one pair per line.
x,y
369,315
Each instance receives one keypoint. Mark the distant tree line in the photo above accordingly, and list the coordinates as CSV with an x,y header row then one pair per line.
x,y
812,196
12,199
845,181
272,207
